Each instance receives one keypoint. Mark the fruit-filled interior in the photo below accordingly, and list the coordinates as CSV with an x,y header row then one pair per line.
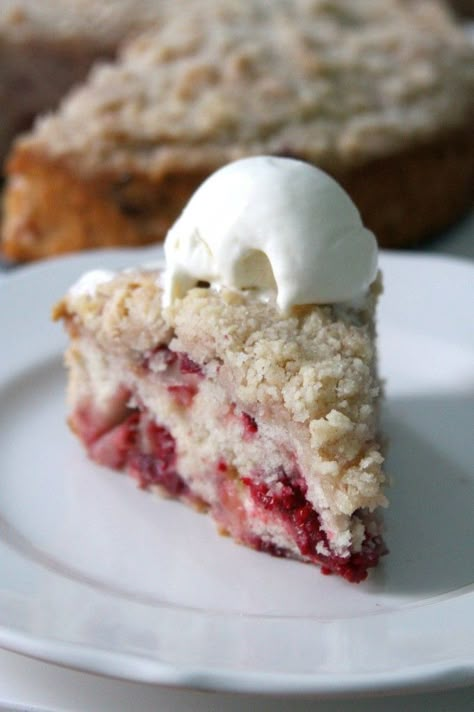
x,y
183,436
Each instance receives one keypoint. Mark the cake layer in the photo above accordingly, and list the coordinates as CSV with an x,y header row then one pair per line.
x,y
269,423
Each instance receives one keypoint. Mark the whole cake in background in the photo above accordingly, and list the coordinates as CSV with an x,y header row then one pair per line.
x,y
46,46
241,377
378,94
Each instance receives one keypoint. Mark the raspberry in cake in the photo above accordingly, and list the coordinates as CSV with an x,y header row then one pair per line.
x,y
241,388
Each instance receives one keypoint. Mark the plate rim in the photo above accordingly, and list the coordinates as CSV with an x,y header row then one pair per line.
x,y
420,678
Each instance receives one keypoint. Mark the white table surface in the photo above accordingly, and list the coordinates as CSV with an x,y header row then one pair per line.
x,y
31,685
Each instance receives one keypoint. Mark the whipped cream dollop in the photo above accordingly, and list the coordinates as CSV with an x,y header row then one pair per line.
x,y
268,223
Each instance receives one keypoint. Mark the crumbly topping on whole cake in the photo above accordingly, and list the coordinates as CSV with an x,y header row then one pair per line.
x,y
336,82
91,21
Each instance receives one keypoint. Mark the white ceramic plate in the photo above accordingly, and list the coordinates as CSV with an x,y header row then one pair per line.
x,y
98,575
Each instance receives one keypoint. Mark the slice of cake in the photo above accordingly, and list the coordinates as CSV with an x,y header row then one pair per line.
x,y
378,94
242,378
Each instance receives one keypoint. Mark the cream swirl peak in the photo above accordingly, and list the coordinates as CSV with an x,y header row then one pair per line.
x,y
271,223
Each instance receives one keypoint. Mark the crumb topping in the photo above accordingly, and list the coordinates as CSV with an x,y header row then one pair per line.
x,y
346,82
91,21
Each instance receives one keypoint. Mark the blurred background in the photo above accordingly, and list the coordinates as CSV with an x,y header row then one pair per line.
x,y
422,175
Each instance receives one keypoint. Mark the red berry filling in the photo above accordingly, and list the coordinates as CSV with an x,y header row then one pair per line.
x,y
147,451
148,470
250,425
173,358
113,447
91,425
187,365
169,357
180,373
222,467
267,547
287,498
183,394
